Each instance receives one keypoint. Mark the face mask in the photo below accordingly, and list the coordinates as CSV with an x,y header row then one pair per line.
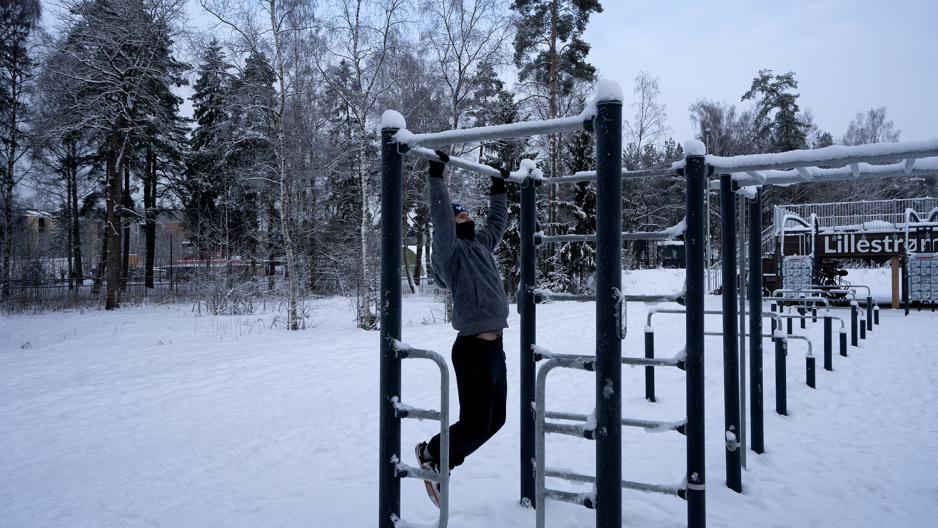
x,y
466,230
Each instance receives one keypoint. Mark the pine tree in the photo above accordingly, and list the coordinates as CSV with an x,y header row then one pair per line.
x,y
778,125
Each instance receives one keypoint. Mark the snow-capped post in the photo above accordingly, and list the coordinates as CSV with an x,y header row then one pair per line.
x,y
607,127
389,442
828,342
695,172
527,307
734,479
649,371
757,440
854,324
862,325
781,393
876,314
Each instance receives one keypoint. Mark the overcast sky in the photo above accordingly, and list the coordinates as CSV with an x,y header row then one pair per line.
x,y
848,55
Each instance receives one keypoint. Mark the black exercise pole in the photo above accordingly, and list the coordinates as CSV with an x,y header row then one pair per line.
x,y
757,440
843,342
527,308
650,371
862,329
730,334
809,370
790,323
608,127
876,315
389,425
869,312
854,324
828,343
695,171
781,391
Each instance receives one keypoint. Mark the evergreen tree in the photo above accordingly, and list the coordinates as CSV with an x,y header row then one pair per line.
x,y
778,125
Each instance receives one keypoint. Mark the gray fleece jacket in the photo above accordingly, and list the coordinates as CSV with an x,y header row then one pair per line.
x,y
467,267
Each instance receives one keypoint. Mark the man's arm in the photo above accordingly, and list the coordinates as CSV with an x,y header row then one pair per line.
x,y
497,220
441,214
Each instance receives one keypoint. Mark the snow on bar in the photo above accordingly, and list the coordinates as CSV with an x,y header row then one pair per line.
x,y
392,119
835,155
474,135
485,170
920,167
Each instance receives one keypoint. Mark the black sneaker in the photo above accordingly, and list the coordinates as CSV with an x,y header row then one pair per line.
x,y
427,463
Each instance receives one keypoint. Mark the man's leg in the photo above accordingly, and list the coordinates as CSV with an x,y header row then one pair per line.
x,y
480,381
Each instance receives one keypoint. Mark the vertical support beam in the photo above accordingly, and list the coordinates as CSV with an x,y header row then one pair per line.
x,y
876,315
527,307
828,343
730,334
843,342
781,389
854,324
695,171
894,263
650,371
389,443
755,323
608,127
809,371
904,272
869,312
741,353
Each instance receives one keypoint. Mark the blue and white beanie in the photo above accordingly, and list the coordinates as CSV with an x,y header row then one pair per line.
x,y
458,208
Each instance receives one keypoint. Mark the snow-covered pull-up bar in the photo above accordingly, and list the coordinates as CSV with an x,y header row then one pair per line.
x,y
855,171
833,156
526,169
606,90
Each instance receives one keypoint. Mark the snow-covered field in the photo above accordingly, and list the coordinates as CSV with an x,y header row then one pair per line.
x,y
154,416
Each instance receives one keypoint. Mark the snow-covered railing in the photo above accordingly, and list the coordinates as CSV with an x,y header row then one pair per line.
x,y
854,171
526,169
583,176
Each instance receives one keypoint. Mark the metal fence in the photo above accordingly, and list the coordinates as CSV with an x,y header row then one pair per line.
x,y
858,213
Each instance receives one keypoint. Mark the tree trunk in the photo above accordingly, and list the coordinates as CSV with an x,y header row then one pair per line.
x,y
418,264
102,263
366,316
292,316
553,140
115,160
126,221
67,206
410,278
8,183
75,240
149,205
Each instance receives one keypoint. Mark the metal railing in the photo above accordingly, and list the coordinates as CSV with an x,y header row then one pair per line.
x,y
857,213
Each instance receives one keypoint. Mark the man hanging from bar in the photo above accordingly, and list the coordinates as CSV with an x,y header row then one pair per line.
x,y
462,262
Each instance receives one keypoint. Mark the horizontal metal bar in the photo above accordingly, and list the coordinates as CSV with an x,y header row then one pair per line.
x,y
655,362
405,471
573,361
485,170
924,167
579,431
627,422
591,175
420,414
671,297
627,484
833,156
764,336
511,130
583,499
560,415
545,295
635,235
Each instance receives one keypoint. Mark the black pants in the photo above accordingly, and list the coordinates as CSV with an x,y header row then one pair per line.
x,y
482,385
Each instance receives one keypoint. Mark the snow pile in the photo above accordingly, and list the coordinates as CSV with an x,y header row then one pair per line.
x,y
392,119
606,90
694,147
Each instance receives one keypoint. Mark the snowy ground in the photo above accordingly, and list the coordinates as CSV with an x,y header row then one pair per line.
x,y
157,417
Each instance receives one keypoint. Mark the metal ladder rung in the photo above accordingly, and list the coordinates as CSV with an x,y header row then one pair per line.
x,y
579,431
404,471
626,484
583,499
655,362
420,414
653,426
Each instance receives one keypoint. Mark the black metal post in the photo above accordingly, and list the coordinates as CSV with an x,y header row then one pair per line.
x,y
389,442
862,329
527,308
608,127
828,343
809,370
790,324
876,315
650,371
904,281
843,342
772,308
757,440
781,389
869,312
730,334
813,315
696,173
853,324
